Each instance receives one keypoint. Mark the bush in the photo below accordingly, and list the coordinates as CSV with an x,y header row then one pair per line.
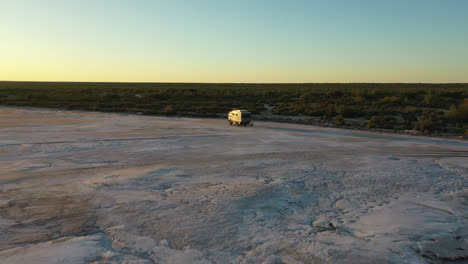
x,y
348,111
306,97
168,110
334,93
389,101
459,114
381,121
431,122
339,120
463,110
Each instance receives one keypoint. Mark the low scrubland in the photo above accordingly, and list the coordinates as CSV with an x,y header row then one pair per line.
x,y
427,108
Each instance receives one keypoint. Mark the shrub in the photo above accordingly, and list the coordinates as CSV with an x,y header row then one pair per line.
x,y
381,121
168,110
431,122
339,120
334,93
359,99
348,111
463,110
306,97
459,114
389,100
409,117
453,113
428,99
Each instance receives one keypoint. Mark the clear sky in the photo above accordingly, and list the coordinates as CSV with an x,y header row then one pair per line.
x,y
234,41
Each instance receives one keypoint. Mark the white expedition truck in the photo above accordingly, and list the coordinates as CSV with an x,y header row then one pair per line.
x,y
240,118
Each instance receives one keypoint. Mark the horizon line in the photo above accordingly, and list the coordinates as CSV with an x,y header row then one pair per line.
x,y
142,82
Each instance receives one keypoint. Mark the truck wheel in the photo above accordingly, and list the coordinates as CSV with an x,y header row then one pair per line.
x,y
230,123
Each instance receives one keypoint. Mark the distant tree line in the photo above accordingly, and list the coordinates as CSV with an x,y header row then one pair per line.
x,y
428,108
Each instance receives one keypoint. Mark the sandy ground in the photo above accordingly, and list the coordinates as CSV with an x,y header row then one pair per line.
x,y
81,187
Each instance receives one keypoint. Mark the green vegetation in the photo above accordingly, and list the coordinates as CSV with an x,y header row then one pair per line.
x,y
429,108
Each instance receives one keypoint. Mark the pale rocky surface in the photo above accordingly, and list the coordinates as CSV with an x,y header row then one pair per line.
x,y
84,187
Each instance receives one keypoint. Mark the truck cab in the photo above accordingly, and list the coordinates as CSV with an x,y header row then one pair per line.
x,y
239,117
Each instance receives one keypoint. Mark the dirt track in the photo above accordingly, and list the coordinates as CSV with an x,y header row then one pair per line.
x,y
108,188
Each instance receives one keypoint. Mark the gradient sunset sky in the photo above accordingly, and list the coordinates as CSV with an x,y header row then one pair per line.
x,y
234,41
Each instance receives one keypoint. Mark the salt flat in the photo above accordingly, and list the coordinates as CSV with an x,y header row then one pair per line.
x,y
84,187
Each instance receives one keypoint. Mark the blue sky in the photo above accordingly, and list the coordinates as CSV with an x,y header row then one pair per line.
x,y
235,41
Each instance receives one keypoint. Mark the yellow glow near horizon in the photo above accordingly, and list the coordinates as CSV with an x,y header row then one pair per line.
x,y
220,42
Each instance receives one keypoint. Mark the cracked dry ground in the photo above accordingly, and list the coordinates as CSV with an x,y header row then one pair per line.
x,y
82,187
